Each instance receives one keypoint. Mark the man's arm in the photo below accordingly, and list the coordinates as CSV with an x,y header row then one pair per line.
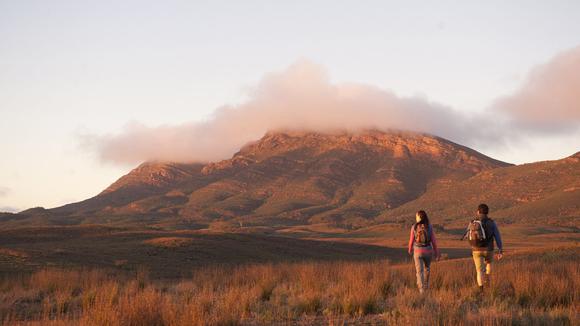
x,y
497,237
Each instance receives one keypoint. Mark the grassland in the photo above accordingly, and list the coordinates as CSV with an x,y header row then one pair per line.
x,y
175,253
301,274
165,254
536,287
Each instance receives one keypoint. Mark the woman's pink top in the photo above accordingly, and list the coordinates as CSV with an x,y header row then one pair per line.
x,y
423,250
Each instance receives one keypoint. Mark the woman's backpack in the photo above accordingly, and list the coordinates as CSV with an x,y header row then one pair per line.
x,y
422,236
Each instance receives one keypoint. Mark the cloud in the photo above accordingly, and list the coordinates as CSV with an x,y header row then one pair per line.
x,y
302,98
4,191
9,209
549,100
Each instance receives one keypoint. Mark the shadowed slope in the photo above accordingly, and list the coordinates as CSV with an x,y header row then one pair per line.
x,y
165,254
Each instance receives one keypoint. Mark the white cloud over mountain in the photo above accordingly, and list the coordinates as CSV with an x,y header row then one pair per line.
x,y
302,97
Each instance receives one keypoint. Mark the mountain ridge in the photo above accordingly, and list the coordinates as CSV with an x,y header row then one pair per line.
x,y
340,178
294,176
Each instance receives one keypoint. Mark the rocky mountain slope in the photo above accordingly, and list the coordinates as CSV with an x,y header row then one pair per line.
x,y
294,177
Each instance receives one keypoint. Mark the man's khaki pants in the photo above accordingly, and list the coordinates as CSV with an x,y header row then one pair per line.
x,y
483,260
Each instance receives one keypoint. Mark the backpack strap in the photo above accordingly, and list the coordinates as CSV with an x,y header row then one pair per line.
x,y
486,224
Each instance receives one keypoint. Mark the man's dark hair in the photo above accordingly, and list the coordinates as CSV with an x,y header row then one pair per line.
x,y
424,218
483,209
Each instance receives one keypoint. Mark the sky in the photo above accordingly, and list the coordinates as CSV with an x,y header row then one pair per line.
x,y
89,89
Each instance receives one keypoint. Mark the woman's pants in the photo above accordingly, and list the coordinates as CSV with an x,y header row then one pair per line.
x,y
423,267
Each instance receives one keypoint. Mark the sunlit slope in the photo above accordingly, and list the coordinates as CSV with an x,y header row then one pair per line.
x,y
542,192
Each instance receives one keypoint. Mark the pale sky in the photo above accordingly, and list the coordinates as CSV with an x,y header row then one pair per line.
x,y
72,68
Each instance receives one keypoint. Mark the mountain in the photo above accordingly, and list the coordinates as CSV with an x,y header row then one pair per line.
x,y
293,178
540,193
148,179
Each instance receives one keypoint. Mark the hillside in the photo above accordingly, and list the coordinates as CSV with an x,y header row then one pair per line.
x,y
538,193
292,178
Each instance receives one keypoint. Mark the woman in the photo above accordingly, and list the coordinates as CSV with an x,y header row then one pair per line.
x,y
423,246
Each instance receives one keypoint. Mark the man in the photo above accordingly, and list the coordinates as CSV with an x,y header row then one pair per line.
x,y
481,233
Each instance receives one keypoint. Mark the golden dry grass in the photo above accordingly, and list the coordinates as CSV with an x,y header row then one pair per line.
x,y
536,287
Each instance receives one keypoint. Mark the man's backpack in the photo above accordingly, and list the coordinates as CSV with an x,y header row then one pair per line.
x,y
478,233
422,236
